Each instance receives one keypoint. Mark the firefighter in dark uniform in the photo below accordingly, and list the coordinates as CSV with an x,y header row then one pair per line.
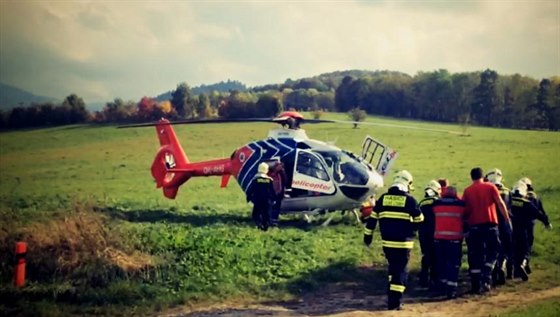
x,y
504,265
535,199
426,234
398,216
261,194
524,214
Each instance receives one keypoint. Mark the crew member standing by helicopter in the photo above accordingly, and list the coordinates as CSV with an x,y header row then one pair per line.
x,y
432,193
261,194
398,217
278,175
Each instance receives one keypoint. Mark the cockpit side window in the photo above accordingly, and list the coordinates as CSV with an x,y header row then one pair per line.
x,y
308,164
345,168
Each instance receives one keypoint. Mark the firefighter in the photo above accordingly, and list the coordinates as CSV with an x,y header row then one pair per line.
x,y
449,214
524,214
482,199
261,194
426,234
535,199
398,216
504,266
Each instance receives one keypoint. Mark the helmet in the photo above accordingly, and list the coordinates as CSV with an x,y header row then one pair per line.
x,y
403,180
263,168
520,188
433,188
494,176
527,181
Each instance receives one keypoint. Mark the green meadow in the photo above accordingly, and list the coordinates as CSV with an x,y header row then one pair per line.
x,y
103,240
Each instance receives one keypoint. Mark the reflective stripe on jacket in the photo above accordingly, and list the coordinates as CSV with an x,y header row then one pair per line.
x,y
449,213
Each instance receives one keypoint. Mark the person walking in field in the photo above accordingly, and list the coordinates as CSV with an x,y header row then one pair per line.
x,y
398,216
261,194
535,199
426,234
481,200
504,266
524,214
449,214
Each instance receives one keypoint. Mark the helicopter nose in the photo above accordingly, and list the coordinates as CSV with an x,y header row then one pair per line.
x,y
375,182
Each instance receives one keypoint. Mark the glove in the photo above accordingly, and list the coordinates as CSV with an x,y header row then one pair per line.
x,y
548,226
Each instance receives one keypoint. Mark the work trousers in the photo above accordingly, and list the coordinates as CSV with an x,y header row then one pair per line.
x,y
505,252
483,244
261,214
398,274
521,239
427,271
448,262
275,210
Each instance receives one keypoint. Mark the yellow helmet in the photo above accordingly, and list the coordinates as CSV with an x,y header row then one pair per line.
x,y
494,176
263,168
403,180
433,188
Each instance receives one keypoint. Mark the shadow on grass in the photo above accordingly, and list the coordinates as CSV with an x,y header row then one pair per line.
x,y
340,288
201,218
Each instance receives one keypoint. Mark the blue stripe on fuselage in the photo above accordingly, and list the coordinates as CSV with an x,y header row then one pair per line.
x,y
264,150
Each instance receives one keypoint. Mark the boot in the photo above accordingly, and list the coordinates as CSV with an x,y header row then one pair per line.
x,y
523,271
500,273
475,284
509,270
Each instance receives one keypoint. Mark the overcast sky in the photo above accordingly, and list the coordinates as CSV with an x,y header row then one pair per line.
x,y
106,49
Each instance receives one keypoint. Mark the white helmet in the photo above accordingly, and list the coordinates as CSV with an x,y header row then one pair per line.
x,y
494,176
263,168
520,188
403,180
527,181
433,188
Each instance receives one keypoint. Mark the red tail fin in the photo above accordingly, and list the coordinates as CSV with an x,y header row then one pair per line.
x,y
169,156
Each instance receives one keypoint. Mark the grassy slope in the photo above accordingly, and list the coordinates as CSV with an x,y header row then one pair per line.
x,y
206,246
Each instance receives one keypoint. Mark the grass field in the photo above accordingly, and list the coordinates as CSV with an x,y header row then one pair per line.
x,y
103,240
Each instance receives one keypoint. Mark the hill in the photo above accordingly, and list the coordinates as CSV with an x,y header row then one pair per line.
x,y
11,97
222,86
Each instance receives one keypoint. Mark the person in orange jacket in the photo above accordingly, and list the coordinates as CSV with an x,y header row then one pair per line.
x,y
449,213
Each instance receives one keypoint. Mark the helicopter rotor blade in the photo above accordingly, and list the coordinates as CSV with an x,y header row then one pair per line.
x,y
194,121
390,125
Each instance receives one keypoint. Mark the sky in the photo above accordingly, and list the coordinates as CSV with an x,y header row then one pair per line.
x,y
102,50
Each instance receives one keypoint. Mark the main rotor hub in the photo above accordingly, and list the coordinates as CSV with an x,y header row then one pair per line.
x,y
289,119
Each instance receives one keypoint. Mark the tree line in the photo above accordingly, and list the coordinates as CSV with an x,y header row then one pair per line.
x,y
483,98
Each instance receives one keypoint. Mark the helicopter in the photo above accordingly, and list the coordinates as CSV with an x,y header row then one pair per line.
x,y
321,177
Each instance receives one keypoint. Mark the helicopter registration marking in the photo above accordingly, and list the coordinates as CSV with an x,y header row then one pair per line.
x,y
394,201
213,169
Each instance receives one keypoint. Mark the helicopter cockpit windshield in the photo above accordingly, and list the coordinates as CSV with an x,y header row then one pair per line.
x,y
345,167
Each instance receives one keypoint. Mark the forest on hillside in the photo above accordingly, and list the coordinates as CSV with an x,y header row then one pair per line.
x,y
481,98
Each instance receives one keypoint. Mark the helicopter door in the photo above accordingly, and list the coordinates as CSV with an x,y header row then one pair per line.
x,y
378,155
310,174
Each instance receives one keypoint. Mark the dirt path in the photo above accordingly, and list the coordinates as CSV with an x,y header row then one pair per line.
x,y
352,303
